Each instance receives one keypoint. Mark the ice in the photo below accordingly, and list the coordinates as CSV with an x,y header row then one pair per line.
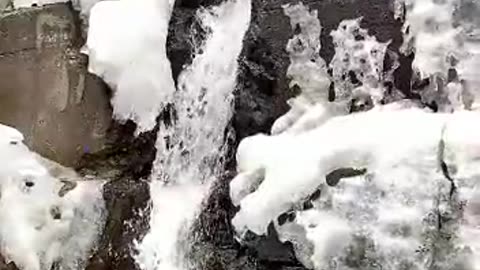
x,y
130,55
307,70
444,37
357,71
43,223
358,62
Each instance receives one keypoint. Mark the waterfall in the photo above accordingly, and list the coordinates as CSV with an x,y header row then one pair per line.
x,y
191,147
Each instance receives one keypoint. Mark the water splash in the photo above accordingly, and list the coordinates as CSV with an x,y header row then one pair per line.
x,y
191,147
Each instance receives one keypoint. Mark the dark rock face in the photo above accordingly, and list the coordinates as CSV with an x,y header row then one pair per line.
x,y
46,91
7,266
126,163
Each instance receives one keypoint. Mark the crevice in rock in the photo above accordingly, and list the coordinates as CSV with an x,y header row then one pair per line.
x,y
442,164
334,177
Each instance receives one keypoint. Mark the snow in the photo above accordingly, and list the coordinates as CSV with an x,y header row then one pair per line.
x,y
30,3
445,37
398,148
420,168
130,55
307,69
42,225
358,54
190,150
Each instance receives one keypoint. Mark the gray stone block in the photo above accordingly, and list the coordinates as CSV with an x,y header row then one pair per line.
x,y
45,89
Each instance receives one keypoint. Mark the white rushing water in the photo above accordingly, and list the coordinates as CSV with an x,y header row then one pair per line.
x,y
412,202
190,150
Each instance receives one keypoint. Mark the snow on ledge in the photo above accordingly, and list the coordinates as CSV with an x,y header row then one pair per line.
x,y
126,46
45,220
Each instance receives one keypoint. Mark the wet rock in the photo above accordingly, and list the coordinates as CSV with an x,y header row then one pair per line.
x,y
7,266
126,163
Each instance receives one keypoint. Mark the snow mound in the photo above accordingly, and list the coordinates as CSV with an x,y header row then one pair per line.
x,y
45,220
409,172
126,46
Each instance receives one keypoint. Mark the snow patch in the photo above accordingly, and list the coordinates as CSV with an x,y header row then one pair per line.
x,y
444,35
390,214
46,220
130,55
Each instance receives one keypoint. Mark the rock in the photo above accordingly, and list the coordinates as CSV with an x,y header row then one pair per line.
x,y
46,91
7,266
126,163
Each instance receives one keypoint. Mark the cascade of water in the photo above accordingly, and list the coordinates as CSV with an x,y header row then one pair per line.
x,y
191,148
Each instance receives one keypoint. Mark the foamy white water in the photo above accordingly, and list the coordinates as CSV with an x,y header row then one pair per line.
x,y
191,150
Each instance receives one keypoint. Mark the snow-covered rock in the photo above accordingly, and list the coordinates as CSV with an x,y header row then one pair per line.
x,y
47,216
420,168
126,46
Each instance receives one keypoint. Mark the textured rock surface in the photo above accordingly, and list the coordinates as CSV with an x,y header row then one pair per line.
x,y
45,90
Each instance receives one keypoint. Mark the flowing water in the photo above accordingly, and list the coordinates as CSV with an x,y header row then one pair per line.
x,y
191,147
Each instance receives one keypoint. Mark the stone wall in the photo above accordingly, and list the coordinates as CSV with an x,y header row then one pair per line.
x,y
45,89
